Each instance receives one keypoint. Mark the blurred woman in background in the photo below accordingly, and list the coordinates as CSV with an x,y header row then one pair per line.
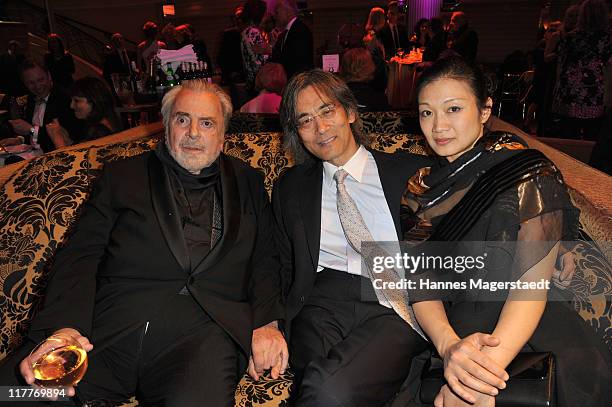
x,y
93,101
583,56
373,43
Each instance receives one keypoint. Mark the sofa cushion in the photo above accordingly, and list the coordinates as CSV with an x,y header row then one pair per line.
x,y
41,200
37,206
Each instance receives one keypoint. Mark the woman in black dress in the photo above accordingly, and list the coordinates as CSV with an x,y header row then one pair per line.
x,y
510,202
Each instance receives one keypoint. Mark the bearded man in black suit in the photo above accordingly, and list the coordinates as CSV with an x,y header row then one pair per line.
x,y
347,347
170,278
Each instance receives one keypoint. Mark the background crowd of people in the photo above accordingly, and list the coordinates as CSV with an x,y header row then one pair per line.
x,y
564,77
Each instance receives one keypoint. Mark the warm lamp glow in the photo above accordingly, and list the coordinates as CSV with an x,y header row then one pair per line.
x,y
168,9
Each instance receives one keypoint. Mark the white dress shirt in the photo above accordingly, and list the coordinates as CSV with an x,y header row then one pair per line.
x,y
38,117
364,186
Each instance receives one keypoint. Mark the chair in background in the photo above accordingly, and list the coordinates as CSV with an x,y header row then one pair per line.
x,y
509,92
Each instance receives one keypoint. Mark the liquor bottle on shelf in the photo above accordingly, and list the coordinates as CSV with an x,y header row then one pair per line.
x,y
207,75
197,73
160,83
189,71
170,79
179,75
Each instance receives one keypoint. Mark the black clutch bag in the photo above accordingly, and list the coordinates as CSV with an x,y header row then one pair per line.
x,y
531,382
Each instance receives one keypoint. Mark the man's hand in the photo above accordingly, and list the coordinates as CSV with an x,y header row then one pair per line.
x,y
269,351
20,126
468,369
446,398
25,367
563,277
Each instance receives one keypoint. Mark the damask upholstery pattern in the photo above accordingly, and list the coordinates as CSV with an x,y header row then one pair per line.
x,y
254,123
392,122
41,200
37,206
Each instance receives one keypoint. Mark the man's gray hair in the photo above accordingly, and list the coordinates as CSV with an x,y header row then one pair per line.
x,y
328,85
196,85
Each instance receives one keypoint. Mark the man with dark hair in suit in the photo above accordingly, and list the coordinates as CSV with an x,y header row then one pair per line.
x,y
170,279
348,348
294,47
48,107
394,34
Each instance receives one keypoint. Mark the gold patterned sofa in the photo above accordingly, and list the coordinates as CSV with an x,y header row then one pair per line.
x,y
40,200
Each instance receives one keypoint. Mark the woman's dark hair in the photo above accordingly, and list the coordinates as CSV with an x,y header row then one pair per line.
x,y
149,29
327,85
101,98
271,77
356,65
417,26
593,15
436,25
56,38
455,67
254,11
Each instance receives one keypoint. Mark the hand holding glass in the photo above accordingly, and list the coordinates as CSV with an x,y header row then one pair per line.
x,y
58,361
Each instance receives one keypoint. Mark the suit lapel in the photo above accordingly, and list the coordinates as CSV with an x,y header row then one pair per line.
x,y
231,215
310,208
392,182
167,212
50,112
29,112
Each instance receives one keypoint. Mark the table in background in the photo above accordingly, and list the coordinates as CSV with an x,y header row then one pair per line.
x,y
401,83
26,155
135,115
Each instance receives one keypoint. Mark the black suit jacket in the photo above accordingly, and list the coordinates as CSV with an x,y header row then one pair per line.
x,y
294,50
387,39
58,107
127,257
297,210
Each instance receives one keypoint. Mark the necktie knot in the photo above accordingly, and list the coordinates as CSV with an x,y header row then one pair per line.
x,y
340,176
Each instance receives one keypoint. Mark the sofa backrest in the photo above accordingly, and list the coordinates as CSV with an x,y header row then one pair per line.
x,y
40,200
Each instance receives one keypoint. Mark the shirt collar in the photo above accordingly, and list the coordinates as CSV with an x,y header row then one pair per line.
x,y
355,167
42,100
290,23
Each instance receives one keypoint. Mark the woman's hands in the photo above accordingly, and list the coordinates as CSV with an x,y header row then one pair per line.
x,y
58,134
468,371
446,398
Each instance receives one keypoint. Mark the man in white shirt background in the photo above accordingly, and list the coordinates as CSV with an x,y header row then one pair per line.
x,y
46,110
